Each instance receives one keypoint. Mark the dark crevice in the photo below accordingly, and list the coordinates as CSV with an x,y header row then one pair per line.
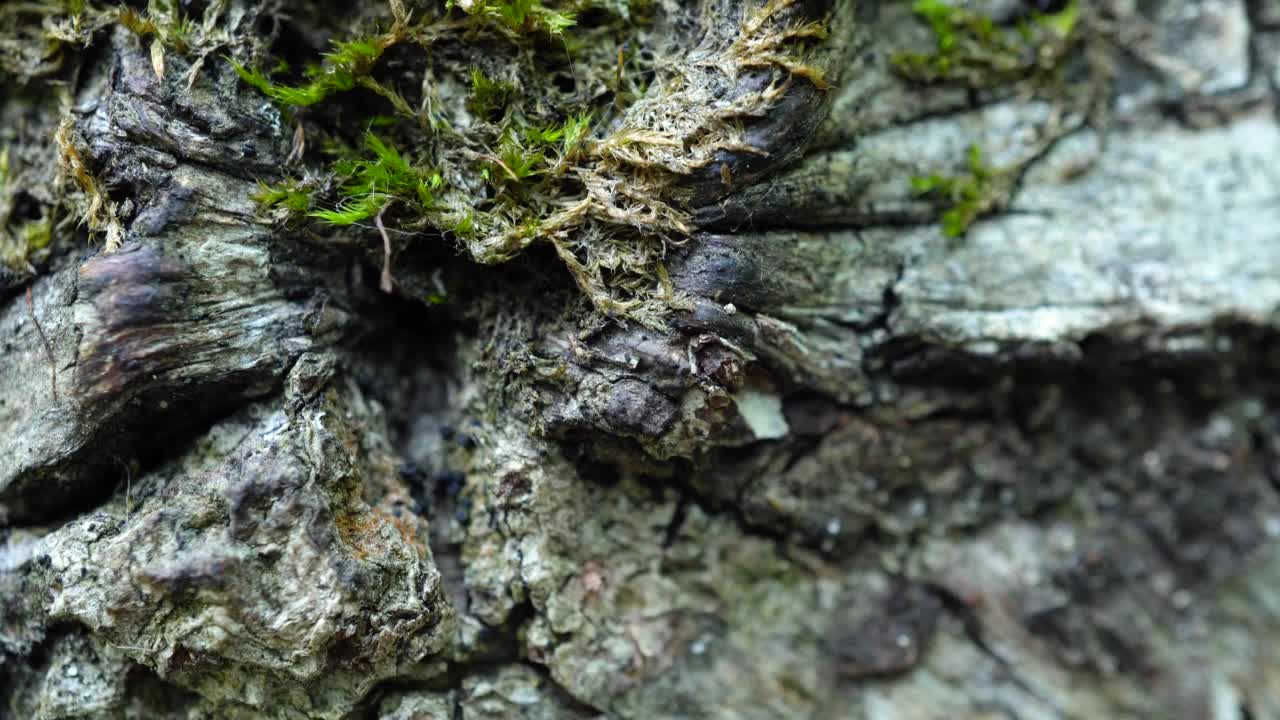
x,y
1257,12
713,507
508,652
1026,400
1197,112
890,301
458,673
678,516
1270,455
1025,167
135,452
803,447
1259,72
687,495
972,623
569,700
895,220
146,693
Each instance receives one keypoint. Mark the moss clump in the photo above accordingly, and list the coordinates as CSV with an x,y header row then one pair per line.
x,y
339,71
1034,57
36,38
290,196
489,98
520,16
373,183
165,22
967,197
521,122
91,206
972,50
23,242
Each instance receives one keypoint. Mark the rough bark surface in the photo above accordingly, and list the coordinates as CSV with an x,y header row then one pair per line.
x,y
860,470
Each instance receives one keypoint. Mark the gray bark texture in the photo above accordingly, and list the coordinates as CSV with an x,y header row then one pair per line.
x,y
826,461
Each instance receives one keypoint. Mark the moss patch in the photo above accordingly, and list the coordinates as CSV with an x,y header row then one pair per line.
x,y
965,197
971,49
492,126
1045,56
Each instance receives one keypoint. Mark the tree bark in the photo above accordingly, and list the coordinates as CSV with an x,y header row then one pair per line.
x,y
854,468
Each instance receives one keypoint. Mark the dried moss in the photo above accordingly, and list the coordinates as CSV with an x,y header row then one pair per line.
x,y
42,46
37,37
92,206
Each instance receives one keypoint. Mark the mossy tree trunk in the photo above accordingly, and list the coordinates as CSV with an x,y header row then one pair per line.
x,y
722,359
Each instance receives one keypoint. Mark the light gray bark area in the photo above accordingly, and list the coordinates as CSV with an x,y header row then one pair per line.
x,y
1169,229
874,473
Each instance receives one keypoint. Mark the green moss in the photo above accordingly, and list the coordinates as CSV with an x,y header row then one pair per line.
x,y
522,16
566,137
1063,22
165,21
970,49
25,242
965,197
338,72
288,195
516,161
369,184
521,157
489,98
352,210
365,185
36,234
465,225
973,51
507,129
351,61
